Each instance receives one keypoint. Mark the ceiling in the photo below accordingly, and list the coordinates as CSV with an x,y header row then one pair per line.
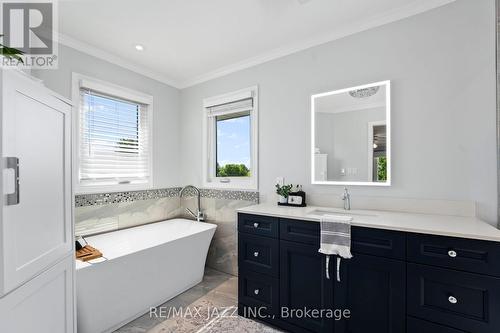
x,y
190,41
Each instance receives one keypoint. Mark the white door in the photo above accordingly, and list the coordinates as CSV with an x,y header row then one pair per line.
x,y
36,229
43,305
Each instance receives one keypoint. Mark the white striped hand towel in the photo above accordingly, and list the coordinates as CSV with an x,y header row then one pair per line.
x,y
336,235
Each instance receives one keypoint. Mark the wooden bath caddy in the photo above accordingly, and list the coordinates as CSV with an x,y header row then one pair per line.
x,y
87,253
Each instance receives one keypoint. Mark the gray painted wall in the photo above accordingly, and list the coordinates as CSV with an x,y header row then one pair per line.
x,y
166,105
442,67
498,97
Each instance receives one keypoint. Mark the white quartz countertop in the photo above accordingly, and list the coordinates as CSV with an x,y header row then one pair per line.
x,y
444,225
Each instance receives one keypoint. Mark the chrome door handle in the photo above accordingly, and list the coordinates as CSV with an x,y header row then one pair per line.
x,y
338,269
255,225
13,198
452,253
452,300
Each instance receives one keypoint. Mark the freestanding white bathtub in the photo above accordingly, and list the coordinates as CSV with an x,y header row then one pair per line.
x,y
146,266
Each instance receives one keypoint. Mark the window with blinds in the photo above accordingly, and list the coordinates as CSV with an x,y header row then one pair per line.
x,y
231,133
114,145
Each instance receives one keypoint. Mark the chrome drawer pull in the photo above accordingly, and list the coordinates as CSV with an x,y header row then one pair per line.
x,y
452,300
338,269
256,254
452,253
256,291
255,225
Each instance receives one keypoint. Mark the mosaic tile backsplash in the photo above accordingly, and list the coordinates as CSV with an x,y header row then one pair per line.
x,y
83,200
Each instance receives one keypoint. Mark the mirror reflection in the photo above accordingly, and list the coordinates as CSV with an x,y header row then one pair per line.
x,y
351,131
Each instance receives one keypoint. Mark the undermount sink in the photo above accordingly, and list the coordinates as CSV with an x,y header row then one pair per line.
x,y
322,212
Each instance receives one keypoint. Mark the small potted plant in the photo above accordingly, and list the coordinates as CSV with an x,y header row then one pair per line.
x,y
283,191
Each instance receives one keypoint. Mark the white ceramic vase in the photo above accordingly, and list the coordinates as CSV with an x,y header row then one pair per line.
x,y
282,199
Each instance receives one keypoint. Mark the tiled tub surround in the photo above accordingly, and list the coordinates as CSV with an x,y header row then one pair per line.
x,y
96,213
220,208
109,217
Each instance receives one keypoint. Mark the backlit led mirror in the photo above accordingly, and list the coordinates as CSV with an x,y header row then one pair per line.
x,y
351,136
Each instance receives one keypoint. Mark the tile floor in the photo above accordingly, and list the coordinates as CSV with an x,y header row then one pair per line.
x,y
209,307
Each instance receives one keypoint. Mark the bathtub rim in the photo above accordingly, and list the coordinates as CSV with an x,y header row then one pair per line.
x,y
140,225
87,264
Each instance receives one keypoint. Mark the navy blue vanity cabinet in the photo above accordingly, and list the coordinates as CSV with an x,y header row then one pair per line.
x,y
396,282
373,289
461,300
371,286
454,282
258,266
303,285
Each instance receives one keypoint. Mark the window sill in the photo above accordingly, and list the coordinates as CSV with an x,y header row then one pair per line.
x,y
242,186
96,189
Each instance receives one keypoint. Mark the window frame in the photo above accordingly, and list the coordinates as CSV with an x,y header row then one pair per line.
x,y
111,90
210,180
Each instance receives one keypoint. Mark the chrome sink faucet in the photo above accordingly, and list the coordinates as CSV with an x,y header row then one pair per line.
x,y
199,216
346,197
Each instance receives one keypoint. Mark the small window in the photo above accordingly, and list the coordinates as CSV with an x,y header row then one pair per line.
x,y
231,140
114,141
233,145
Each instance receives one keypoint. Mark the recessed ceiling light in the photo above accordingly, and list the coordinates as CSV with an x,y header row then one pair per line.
x,y
139,47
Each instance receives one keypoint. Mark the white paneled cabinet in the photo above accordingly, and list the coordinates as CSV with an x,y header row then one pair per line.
x,y
43,304
36,229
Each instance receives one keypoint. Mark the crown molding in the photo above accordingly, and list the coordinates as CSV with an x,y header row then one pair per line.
x,y
414,8
115,60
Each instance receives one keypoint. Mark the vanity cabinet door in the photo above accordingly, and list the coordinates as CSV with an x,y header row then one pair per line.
x,y
373,289
304,286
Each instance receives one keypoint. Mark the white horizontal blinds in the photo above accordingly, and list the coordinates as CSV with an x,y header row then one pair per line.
x,y
232,108
114,140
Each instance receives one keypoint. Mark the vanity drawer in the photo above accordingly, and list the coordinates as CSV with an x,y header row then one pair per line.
x,y
465,301
306,232
258,291
376,242
258,254
258,225
458,253
415,325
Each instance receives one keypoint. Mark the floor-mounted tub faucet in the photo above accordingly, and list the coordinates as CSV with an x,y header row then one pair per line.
x,y
346,197
199,216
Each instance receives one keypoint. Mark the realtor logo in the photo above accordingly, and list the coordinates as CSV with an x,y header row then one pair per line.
x,y
30,28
